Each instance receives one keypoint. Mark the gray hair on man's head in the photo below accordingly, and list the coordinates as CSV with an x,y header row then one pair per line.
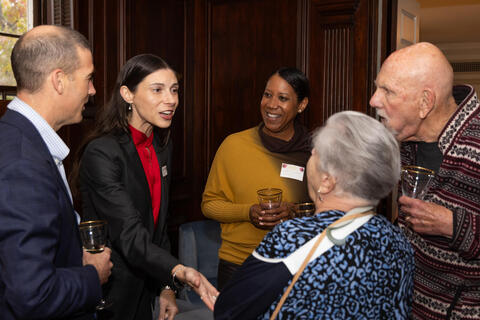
x,y
360,153
42,50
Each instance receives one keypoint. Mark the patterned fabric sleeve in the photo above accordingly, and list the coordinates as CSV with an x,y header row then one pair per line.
x,y
464,240
289,236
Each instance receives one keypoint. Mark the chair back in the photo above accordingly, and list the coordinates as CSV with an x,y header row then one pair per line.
x,y
198,246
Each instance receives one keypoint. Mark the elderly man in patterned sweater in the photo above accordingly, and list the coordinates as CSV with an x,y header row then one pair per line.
x,y
439,129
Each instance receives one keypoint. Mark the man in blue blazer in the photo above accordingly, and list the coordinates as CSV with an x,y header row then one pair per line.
x,y
43,272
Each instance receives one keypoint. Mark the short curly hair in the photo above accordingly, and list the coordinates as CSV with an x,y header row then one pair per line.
x,y
360,153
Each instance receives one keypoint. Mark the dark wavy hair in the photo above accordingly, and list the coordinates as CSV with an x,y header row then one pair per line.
x,y
113,117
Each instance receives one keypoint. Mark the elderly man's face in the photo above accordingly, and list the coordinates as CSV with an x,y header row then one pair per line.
x,y
397,102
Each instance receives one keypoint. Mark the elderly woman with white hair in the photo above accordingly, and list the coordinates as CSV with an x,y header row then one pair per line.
x,y
345,262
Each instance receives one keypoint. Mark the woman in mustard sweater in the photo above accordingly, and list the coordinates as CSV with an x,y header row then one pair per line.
x,y
272,154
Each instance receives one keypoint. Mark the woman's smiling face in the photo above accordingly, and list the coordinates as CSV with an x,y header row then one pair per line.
x,y
154,101
279,107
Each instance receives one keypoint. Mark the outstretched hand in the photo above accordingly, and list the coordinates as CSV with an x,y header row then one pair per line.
x,y
191,277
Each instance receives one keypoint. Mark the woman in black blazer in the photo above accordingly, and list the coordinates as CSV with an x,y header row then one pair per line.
x,y
124,178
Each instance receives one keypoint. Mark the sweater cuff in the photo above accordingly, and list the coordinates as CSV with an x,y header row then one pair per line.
x,y
246,212
461,224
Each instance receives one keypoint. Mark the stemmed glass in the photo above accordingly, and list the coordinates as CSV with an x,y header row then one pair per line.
x,y
416,181
94,238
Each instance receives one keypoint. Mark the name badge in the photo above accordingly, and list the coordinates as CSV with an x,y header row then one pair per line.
x,y
164,171
292,171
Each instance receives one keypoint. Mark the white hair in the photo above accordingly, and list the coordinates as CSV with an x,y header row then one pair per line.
x,y
360,153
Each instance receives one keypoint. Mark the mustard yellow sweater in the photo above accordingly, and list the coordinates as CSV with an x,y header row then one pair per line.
x,y
242,165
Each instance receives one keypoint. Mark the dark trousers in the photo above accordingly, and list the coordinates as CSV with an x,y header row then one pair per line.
x,y
225,272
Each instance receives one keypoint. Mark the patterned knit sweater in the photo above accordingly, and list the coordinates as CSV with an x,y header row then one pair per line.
x,y
447,273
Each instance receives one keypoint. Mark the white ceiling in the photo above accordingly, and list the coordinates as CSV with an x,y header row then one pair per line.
x,y
449,21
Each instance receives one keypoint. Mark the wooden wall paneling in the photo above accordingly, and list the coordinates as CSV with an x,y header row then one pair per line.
x,y
248,41
388,34
3,106
167,29
303,7
99,21
340,58
196,99
303,32
374,50
391,9
330,59
361,58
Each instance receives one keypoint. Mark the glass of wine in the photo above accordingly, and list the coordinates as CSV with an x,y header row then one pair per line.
x,y
93,235
94,238
416,181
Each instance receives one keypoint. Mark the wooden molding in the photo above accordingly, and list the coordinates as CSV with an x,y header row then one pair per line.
x,y
335,7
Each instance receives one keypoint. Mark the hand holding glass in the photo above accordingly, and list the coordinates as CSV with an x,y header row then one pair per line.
x,y
416,181
269,198
94,238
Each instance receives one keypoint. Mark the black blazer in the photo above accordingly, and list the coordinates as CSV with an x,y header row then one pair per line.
x,y
114,187
42,275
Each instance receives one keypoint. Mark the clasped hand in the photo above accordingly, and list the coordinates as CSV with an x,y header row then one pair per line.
x,y
267,219
168,305
101,262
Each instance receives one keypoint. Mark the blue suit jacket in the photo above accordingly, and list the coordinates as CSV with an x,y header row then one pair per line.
x,y
41,272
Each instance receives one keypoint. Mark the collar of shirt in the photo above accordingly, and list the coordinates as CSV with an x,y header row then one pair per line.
x,y
58,149
140,139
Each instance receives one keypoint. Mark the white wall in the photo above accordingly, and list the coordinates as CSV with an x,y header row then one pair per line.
x,y
463,52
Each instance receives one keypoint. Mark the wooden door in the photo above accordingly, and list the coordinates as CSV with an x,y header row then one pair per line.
x,y
408,23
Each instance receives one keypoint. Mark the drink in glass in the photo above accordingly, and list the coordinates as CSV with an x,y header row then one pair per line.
x,y
93,235
269,198
416,181
94,238
304,209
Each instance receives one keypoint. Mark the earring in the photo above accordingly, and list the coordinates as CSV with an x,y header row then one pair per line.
x,y
299,110
319,196
129,108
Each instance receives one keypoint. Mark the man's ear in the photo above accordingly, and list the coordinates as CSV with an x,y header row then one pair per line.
x,y
427,102
57,79
126,94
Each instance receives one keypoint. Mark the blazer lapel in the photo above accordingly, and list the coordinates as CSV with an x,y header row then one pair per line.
x,y
135,164
160,145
